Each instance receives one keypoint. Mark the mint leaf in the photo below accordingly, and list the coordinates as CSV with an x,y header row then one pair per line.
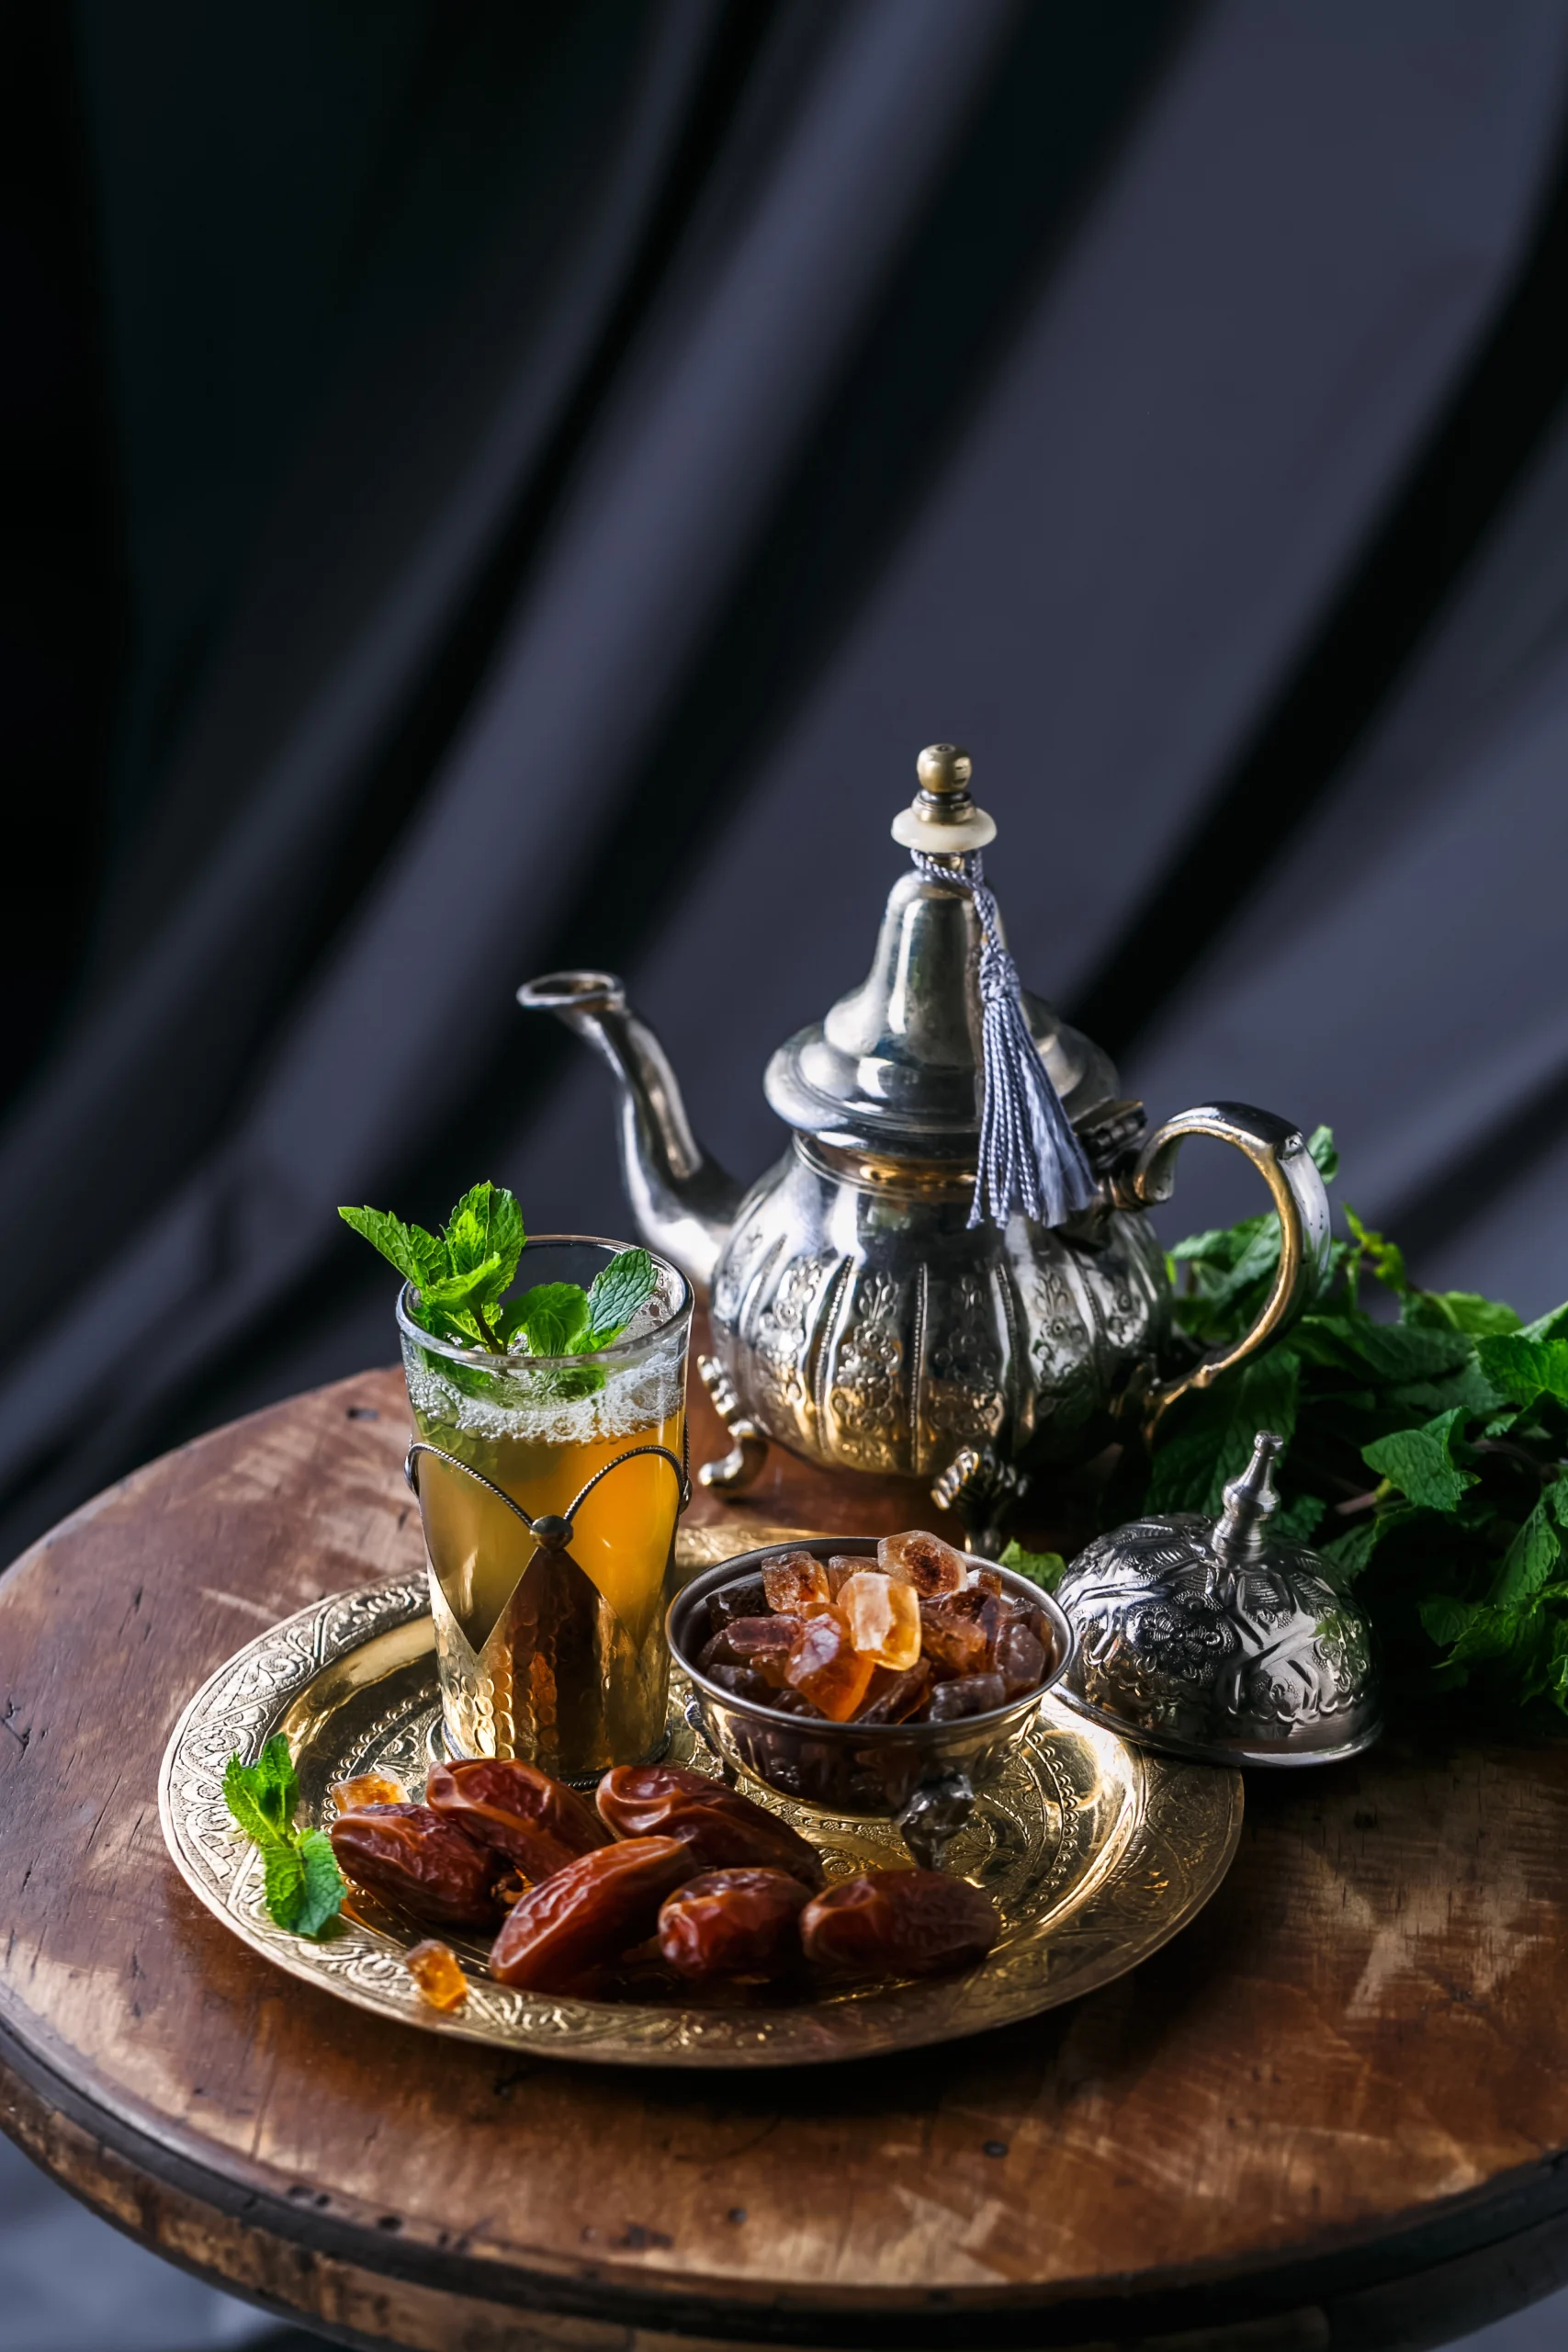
x,y
302,1884
484,1238
1463,1310
1350,1554
1528,1561
1395,1352
322,1888
1218,1427
627,1284
1469,1386
1420,1463
1445,1618
418,1256
457,1293
1476,1630
572,1385
245,1794
1386,1259
1222,1245
1326,1158
277,1768
552,1318
1045,1568
1298,1522
285,1885
1460,1410
1524,1368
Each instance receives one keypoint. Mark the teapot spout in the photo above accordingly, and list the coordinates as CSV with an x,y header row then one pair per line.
x,y
684,1202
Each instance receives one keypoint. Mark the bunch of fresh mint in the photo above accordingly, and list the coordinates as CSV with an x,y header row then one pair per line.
x,y
304,1885
463,1273
1427,1456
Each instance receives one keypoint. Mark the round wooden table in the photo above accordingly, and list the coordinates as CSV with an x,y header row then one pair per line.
x,y
1334,2112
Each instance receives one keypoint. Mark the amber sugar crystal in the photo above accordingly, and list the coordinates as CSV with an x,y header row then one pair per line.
x,y
367,1788
892,1698
967,1694
925,1561
954,1641
764,1643
884,1618
794,1582
438,1972
826,1668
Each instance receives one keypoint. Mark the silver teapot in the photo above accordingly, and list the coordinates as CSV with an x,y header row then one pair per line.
x,y
860,1316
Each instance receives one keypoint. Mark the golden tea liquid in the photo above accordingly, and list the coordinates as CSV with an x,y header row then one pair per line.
x,y
560,1658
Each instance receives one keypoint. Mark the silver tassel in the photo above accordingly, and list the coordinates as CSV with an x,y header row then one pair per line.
x,y
1030,1156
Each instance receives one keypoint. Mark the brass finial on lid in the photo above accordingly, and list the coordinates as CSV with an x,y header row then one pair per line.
x,y
943,768
942,820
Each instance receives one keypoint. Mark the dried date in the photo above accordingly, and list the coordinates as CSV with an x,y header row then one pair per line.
x,y
587,1912
722,1829
520,1811
410,1855
732,1923
898,1923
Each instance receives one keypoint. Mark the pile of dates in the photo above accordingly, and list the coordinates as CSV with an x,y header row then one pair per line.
x,y
666,1865
916,1635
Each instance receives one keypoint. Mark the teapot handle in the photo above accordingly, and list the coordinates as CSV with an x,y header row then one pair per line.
x,y
1279,1152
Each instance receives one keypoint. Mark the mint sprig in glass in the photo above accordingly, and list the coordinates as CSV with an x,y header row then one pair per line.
x,y
462,1275
537,1364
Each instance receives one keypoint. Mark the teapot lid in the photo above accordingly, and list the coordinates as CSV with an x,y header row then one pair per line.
x,y
896,1065
1220,1640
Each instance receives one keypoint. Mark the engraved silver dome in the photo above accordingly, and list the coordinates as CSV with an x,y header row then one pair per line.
x,y
1217,1640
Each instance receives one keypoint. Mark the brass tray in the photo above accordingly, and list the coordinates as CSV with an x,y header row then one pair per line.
x,y
1096,1851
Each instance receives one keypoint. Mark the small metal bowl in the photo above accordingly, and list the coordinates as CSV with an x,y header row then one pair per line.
x,y
923,1777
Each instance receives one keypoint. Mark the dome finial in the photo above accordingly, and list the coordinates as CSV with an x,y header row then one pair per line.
x,y
942,820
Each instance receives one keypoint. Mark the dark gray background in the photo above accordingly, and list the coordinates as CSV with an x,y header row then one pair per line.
x,y
496,486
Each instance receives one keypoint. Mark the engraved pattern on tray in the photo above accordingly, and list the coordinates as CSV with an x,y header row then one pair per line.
x,y
1096,1853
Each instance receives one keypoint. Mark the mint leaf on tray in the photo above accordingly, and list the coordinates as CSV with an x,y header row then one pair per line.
x,y
304,1885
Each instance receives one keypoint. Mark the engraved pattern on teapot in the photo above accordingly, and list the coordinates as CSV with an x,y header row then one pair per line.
x,y
865,1391
963,1393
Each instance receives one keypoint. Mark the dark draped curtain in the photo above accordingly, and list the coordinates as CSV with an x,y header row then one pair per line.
x,y
499,486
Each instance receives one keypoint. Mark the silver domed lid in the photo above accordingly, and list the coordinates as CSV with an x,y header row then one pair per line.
x,y
895,1066
1214,1638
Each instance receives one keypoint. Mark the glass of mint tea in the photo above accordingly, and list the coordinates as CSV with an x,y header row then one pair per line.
x,y
553,1654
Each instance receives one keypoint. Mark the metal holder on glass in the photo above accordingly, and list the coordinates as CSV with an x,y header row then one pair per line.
x,y
536,1686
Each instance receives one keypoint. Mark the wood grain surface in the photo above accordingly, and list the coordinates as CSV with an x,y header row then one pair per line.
x,y
1335,2111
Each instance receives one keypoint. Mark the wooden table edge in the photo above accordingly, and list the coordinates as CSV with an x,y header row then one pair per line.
x,y
1467,2261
